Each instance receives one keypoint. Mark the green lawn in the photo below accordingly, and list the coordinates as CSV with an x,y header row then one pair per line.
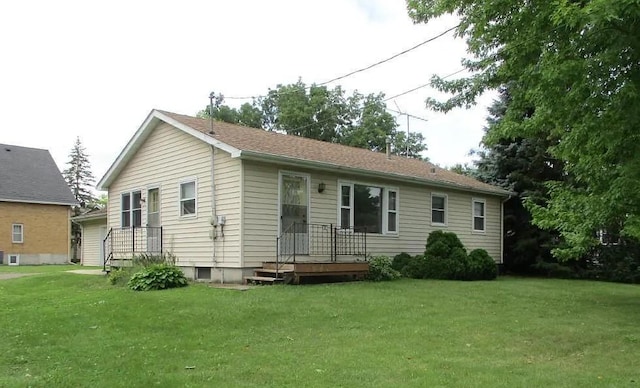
x,y
61,329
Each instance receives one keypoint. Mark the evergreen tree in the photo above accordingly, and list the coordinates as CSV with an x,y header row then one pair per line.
x,y
80,179
521,165
79,176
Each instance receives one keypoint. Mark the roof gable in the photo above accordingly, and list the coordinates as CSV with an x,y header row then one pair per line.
x,y
30,175
253,143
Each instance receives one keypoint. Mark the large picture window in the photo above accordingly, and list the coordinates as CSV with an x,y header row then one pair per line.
x,y
369,208
131,209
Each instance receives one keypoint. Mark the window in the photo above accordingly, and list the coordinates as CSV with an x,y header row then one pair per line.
x,y
392,211
17,233
14,259
438,209
188,198
478,215
203,273
367,208
131,209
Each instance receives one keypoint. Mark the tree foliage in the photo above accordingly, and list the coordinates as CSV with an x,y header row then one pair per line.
x,y
578,63
318,112
520,165
79,176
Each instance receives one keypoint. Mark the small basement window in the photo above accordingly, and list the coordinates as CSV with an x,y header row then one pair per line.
x,y
14,259
203,273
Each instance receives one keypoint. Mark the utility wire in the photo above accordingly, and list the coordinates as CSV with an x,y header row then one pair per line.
x,y
361,69
422,86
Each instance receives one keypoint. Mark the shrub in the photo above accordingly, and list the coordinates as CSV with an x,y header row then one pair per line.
x,y
118,276
480,266
451,267
441,244
416,267
380,269
400,261
148,259
157,277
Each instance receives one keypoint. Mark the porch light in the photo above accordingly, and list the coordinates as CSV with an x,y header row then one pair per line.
x,y
321,187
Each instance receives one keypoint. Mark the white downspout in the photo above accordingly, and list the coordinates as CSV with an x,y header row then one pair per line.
x,y
502,228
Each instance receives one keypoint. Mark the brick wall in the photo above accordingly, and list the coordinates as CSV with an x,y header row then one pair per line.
x,y
46,229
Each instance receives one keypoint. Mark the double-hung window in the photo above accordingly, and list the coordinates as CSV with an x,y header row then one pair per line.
x,y
478,215
438,209
17,233
188,198
369,208
131,209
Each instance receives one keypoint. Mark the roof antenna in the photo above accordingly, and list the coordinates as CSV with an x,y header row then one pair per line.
x,y
211,97
406,114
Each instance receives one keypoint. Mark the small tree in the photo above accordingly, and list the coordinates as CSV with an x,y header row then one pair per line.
x,y
80,180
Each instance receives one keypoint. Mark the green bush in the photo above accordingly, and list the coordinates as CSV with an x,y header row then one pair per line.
x,y
480,266
380,269
451,267
441,243
149,259
157,277
416,268
401,260
118,276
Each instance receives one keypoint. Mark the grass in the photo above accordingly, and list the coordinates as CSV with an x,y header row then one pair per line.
x,y
41,268
61,329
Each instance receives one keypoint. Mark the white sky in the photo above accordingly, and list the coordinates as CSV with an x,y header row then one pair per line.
x,y
96,69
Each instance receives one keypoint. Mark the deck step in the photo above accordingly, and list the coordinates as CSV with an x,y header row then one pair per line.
x,y
262,279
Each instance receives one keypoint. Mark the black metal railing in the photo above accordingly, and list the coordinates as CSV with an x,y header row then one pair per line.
x,y
302,239
127,242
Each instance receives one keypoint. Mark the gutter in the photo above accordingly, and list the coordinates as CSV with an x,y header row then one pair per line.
x,y
260,157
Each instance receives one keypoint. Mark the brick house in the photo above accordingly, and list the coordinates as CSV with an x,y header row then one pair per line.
x,y
35,206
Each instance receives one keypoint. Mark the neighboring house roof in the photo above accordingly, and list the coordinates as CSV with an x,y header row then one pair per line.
x,y
30,175
257,144
91,215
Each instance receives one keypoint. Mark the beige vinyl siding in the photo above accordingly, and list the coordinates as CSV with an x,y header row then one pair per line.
x,y
227,195
414,213
92,234
167,158
260,213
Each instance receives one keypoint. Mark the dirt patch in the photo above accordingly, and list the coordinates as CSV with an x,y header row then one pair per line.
x,y
237,287
87,271
7,276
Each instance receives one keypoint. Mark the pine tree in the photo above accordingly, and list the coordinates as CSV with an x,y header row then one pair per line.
x,y
79,176
80,180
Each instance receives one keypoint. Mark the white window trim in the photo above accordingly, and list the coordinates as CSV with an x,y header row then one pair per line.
x,y
21,241
130,192
446,209
193,180
9,256
473,216
385,206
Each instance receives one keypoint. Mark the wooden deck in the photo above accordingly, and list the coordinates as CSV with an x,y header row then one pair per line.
x,y
294,272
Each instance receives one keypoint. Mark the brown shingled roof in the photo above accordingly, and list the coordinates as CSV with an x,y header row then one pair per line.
x,y
330,154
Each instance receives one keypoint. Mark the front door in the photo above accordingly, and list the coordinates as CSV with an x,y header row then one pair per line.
x,y
294,213
154,239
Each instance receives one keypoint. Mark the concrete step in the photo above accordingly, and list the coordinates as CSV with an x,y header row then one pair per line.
x,y
261,279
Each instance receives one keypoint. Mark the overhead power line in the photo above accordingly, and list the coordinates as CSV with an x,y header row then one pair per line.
x,y
422,86
361,69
